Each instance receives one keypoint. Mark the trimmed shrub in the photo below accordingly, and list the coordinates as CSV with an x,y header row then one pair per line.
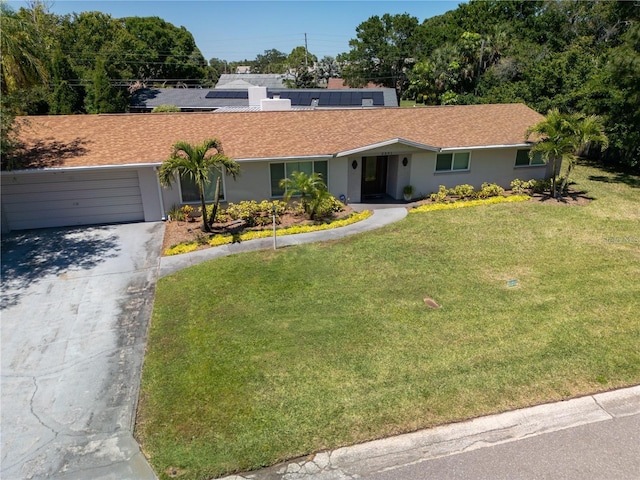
x,y
463,191
489,190
441,195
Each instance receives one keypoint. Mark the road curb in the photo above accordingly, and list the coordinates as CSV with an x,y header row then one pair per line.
x,y
395,452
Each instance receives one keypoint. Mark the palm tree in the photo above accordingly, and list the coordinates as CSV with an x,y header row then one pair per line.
x,y
562,137
588,131
311,189
22,62
197,162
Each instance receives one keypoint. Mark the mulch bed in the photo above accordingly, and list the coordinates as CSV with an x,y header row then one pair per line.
x,y
189,231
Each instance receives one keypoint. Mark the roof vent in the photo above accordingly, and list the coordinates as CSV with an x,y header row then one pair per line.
x,y
275,104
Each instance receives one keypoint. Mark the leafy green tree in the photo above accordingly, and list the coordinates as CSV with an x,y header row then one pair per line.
x,y
161,51
301,65
385,48
197,162
216,68
64,99
562,137
328,67
102,96
271,61
310,188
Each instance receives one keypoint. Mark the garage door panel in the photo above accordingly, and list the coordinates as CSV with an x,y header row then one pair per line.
x,y
71,177
92,185
25,199
66,209
81,198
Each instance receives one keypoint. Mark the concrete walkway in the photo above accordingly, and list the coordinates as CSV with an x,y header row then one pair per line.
x,y
593,437
380,218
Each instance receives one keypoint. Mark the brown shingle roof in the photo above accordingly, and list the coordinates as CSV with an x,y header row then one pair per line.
x,y
96,140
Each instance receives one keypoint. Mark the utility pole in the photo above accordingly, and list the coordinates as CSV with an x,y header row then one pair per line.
x,y
306,52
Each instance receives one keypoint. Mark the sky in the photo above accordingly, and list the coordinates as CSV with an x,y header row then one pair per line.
x,y
236,30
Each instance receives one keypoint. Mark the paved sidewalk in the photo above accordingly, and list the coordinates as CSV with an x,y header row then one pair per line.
x,y
380,218
594,437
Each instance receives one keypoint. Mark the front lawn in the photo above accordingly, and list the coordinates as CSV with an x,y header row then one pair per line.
x,y
256,358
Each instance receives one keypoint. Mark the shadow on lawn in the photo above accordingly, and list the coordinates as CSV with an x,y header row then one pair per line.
x,y
617,175
29,256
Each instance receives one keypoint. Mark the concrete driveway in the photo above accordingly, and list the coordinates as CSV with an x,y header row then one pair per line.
x,y
75,308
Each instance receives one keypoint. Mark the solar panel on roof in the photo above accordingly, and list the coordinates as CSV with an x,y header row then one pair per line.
x,y
323,99
227,94
378,98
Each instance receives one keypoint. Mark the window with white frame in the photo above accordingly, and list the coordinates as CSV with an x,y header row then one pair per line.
x,y
189,189
524,160
452,162
278,171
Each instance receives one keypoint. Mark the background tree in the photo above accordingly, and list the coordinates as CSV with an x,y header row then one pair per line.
x,y
216,68
271,61
65,98
161,52
328,67
198,162
382,52
301,65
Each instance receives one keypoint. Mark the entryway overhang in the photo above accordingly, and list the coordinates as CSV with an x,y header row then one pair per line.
x,y
387,143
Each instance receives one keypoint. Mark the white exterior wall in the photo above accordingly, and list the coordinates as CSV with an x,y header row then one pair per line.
x,y
338,181
354,183
253,183
490,165
150,192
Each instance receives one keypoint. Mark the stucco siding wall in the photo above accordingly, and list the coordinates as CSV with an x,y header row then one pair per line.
x,y
148,180
491,165
338,181
253,183
355,179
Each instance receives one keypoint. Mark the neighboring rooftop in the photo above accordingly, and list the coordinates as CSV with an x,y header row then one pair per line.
x,y
338,83
121,139
197,99
245,80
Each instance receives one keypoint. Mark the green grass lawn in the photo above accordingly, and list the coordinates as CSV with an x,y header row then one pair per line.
x,y
257,358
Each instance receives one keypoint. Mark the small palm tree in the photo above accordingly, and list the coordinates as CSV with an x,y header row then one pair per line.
x,y
197,162
562,137
310,188
588,131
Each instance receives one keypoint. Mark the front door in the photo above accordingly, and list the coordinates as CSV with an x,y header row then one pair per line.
x,y
374,177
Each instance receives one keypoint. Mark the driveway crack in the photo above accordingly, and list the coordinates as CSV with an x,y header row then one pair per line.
x,y
33,412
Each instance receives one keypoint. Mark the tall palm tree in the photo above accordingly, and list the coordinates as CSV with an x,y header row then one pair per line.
x,y
562,137
197,162
310,188
23,55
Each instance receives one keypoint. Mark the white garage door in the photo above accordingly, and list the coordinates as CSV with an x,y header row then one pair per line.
x,y
64,198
